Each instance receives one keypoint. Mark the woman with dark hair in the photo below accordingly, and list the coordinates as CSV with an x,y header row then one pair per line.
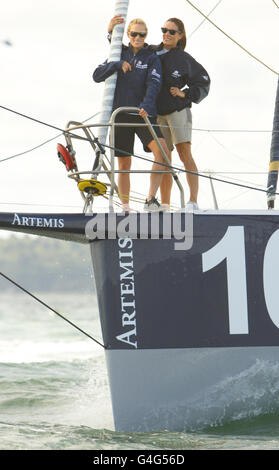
x,y
184,81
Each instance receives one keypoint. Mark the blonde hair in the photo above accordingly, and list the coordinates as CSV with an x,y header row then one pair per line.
x,y
136,21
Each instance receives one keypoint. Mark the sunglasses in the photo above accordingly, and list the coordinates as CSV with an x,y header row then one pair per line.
x,y
134,34
171,31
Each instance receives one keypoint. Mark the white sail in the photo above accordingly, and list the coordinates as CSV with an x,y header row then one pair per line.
x,y
121,8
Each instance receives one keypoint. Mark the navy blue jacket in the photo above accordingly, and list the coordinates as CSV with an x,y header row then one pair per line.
x,y
138,87
180,69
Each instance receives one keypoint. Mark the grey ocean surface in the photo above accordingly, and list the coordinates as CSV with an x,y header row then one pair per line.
x,y
54,392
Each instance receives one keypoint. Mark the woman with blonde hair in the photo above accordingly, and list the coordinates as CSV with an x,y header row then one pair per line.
x,y
138,84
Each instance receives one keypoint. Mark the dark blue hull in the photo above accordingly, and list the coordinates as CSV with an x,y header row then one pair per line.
x,y
220,293
179,324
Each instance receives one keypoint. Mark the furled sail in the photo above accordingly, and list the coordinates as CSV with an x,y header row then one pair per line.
x,y
121,8
274,156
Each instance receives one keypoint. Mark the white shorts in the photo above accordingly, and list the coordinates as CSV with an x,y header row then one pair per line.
x,y
176,127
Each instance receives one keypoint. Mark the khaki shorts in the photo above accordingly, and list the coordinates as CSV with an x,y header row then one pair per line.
x,y
176,127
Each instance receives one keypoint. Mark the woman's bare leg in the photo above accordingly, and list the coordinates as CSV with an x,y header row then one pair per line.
x,y
185,154
156,178
124,163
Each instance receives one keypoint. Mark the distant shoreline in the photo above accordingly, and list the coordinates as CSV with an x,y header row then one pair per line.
x,y
44,264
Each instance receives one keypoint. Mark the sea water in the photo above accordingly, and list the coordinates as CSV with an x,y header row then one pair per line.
x,y
54,392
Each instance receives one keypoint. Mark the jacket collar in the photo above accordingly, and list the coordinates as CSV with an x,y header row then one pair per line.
x,y
144,48
161,46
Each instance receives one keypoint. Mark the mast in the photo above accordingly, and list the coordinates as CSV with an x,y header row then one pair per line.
x,y
121,8
274,156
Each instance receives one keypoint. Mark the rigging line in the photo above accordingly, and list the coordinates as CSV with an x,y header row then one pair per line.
x,y
209,13
188,171
233,130
30,150
275,3
44,123
50,308
155,125
220,172
232,153
233,40
256,185
143,158
135,196
38,204
198,129
40,145
259,185
86,139
228,201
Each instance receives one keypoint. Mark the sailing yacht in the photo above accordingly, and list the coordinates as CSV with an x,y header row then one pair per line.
x,y
186,298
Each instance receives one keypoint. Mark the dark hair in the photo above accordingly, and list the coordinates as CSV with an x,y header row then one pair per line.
x,y
181,27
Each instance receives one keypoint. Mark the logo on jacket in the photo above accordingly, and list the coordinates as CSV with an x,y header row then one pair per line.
x,y
140,65
155,73
176,74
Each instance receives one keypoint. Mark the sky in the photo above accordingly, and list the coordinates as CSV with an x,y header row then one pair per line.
x,y
47,74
